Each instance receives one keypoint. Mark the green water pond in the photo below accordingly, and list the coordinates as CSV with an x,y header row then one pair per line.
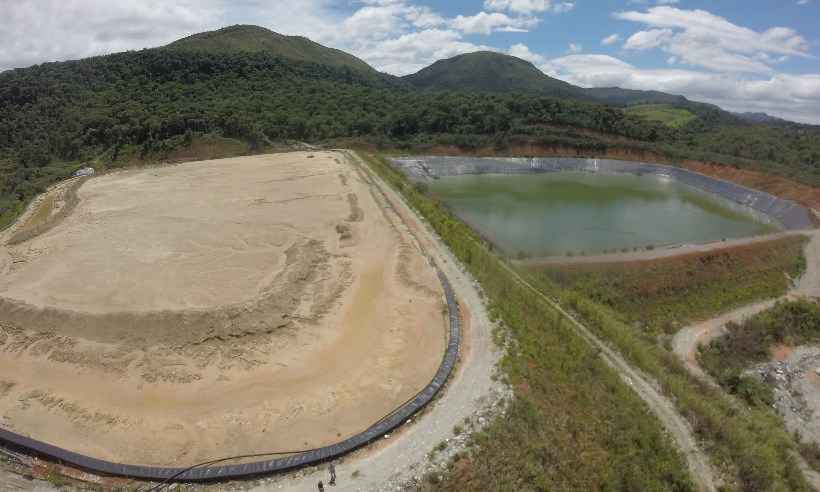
x,y
572,212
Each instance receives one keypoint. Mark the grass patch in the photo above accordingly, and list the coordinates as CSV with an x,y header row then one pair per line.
x,y
663,113
573,424
44,218
210,146
664,294
790,323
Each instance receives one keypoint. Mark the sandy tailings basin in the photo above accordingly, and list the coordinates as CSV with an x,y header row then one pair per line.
x,y
216,308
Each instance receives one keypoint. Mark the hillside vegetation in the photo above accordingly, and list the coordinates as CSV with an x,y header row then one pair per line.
x,y
250,84
255,39
663,113
491,72
662,295
791,323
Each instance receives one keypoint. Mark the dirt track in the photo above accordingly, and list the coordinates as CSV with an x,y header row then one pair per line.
x,y
217,308
686,341
657,253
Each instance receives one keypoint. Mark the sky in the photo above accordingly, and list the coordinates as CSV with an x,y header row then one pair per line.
x,y
744,55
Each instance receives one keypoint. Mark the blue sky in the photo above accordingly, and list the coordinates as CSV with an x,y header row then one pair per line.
x,y
745,55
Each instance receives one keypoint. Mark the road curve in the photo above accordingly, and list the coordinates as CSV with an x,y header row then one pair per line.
x,y
685,343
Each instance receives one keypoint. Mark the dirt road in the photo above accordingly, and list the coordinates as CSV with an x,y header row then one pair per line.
x,y
686,341
657,253
663,408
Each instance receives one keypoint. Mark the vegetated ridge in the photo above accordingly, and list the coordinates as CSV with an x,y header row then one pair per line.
x,y
488,71
491,72
255,39
244,89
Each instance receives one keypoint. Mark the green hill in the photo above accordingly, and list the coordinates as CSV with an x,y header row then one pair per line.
x,y
255,39
486,71
491,72
247,88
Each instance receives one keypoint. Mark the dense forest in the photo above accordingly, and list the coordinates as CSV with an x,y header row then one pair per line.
x,y
57,117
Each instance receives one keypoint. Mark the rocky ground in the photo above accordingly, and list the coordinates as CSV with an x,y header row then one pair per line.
x,y
796,384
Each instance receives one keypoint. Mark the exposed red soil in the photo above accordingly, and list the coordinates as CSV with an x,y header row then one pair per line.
x,y
781,352
806,195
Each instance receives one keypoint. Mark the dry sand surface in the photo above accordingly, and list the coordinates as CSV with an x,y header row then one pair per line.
x,y
217,308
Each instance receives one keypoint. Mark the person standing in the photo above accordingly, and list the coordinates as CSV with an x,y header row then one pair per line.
x,y
332,469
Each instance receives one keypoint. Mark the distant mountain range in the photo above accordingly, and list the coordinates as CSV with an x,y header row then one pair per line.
x,y
761,118
496,72
484,71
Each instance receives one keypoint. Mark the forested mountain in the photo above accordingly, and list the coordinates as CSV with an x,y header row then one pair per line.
x,y
487,71
255,39
491,72
257,87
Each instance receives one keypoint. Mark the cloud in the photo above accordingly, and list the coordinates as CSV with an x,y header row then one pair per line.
x,y
522,51
700,38
529,6
611,39
484,23
49,30
575,48
645,40
794,97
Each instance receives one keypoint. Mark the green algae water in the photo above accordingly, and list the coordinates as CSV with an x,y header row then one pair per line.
x,y
572,212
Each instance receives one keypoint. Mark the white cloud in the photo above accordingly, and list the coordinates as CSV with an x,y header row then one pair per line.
x,y
698,37
611,39
644,40
529,6
575,48
794,97
523,51
484,23
49,30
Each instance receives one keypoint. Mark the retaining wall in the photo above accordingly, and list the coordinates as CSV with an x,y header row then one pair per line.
x,y
210,473
786,213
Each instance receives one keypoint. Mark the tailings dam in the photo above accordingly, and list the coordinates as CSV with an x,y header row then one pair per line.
x,y
546,207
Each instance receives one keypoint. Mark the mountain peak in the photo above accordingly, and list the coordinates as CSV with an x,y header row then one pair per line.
x,y
489,71
256,39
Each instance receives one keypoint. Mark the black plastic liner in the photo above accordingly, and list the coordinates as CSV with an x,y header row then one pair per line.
x,y
378,430
786,213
